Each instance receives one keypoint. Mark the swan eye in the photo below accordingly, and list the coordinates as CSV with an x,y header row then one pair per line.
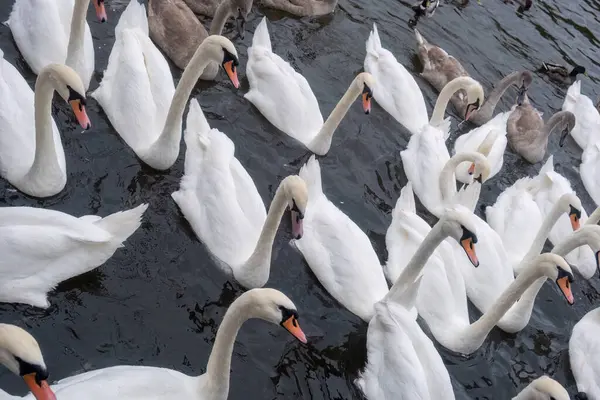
x,y
296,209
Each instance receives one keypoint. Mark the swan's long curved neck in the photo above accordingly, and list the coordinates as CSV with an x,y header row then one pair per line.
x,y
437,117
258,265
221,14
540,239
170,137
492,100
553,123
77,34
322,140
416,263
219,363
479,329
45,163
587,235
447,181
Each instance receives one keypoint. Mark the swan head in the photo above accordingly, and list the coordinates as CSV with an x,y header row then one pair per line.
x,y
481,168
296,194
456,223
545,388
556,268
525,79
221,50
69,86
273,306
365,83
567,121
570,204
240,10
21,354
475,98
100,10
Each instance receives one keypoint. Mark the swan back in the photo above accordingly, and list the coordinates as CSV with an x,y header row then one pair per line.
x,y
586,115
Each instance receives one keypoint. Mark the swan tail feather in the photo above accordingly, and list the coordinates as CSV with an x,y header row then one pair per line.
x,y
197,125
421,41
374,43
123,224
311,174
134,16
406,201
261,35
574,91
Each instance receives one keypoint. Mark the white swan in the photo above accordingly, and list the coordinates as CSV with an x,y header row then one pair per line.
x,y
55,32
128,382
543,388
548,186
583,344
518,219
285,98
395,90
21,354
220,201
32,158
137,91
41,248
402,362
337,251
587,118
442,300
488,139
590,170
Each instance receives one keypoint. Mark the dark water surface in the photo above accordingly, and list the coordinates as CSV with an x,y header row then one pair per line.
x,y
160,299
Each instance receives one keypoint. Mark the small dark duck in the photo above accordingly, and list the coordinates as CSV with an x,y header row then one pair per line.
x,y
424,8
561,74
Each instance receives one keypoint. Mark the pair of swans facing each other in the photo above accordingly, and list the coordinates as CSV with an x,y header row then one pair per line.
x,y
402,361
443,275
55,32
32,157
137,91
21,354
285,99
529,204
178,32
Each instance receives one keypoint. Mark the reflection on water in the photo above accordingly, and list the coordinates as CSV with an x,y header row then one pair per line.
x,y
160,299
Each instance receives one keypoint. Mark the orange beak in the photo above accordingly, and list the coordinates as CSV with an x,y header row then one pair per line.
x,y
100,10
471,169
366,100
292,326
574,221
469,247
231,73
565,287
80,114
41,391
